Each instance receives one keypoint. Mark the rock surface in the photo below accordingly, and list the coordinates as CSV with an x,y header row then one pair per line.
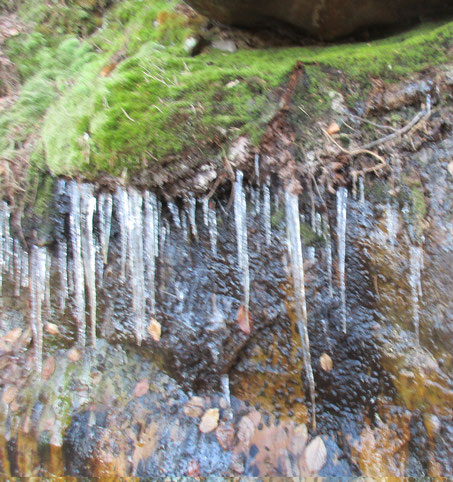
x,y
326,19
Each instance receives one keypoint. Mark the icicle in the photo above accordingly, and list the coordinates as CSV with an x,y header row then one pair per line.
x,y
392,223
105,223
7,247
361,190
191,214
297,270
328,250
416,267
77,263
342,199
2,243
318,224
240,214
225,380
37,282
48,269
62,266
122,205
24,282
17,249
212,220
137,271
88,206
205,208
174,213
151,247
257,169
184,227
311,254
267,212
164,234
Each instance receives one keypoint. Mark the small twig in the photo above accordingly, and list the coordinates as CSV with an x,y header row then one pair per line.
x,y
127,115
379,126
304,111
355,152
214,188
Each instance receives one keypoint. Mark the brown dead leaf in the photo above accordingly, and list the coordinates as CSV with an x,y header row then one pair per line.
x,y
9,394
13,335
315,456
74,354
334,128
155,329
225,435
326,362
194,407
48,368
52,328
193,468
141,388
244,320
209,420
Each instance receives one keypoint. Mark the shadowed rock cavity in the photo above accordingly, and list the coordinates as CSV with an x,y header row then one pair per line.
x,y
325,19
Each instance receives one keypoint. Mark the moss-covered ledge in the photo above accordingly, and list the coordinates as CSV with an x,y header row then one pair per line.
x,y
127,98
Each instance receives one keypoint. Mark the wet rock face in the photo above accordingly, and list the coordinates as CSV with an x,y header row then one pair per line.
x,y
326,19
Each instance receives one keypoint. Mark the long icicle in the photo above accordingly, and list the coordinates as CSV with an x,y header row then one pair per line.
x,y
37,282
76,244
88,206
342,200
297,268
240,214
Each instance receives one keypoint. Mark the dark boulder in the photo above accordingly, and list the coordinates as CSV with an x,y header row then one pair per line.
x,y
326,19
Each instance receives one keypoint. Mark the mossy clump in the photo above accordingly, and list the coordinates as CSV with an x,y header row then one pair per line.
x,y
129,96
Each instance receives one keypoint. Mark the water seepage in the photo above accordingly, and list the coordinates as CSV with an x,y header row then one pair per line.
x,y
342,200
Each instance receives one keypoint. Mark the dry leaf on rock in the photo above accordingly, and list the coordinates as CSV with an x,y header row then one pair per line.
x,y
155,330
74,354
9,394
48,368
326,362
193,468
315,456
299,440
194,407
52,328
334,128
13,335
244,320
209,420
141,388
225,435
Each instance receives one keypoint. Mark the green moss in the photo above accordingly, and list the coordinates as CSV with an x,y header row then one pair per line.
x,y
157,103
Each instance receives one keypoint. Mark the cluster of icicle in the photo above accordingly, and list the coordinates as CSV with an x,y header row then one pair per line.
x,y
83,253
